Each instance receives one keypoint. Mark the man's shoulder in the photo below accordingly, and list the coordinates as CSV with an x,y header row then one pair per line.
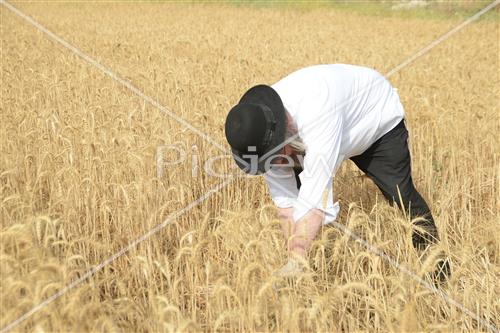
x,y
309,72
327,75
303,82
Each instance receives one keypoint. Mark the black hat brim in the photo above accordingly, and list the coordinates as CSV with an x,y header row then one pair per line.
x,y
263,94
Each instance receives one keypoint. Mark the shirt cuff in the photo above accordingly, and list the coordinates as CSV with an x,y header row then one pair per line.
x,y
331,211
283,202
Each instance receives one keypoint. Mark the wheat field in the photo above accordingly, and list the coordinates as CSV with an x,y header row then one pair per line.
x,y
79,180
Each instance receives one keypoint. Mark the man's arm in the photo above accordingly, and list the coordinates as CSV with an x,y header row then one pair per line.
x,y
287,226
320,162
305,231
300,235
283,189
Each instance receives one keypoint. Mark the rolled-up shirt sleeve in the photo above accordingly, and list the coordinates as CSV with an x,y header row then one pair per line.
x,y
323,141
282,186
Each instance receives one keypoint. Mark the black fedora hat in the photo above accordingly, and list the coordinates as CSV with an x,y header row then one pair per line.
x,y
254,127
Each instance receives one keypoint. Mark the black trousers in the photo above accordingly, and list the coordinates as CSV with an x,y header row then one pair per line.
x,y
387,162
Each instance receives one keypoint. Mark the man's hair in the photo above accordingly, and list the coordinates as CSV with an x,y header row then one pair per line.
x,y
296,143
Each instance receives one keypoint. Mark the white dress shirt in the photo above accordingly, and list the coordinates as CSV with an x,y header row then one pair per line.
x,y
340,111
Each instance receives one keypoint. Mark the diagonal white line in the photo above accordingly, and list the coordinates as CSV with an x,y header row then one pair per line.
x,y
118,254
374,249
443,38
396,69
117,78
112,74
151,232
206,137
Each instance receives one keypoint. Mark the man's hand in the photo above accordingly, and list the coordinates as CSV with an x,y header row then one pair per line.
x,y
287,225
301,234
305,231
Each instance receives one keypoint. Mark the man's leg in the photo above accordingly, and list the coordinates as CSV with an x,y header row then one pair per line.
x,y
387,162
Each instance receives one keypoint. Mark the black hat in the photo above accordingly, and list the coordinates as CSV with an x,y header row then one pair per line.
x,y
254,127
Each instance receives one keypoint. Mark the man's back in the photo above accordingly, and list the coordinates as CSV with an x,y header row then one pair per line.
x,y
365,100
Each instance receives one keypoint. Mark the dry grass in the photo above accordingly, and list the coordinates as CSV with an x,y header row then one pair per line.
x,y
78,177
